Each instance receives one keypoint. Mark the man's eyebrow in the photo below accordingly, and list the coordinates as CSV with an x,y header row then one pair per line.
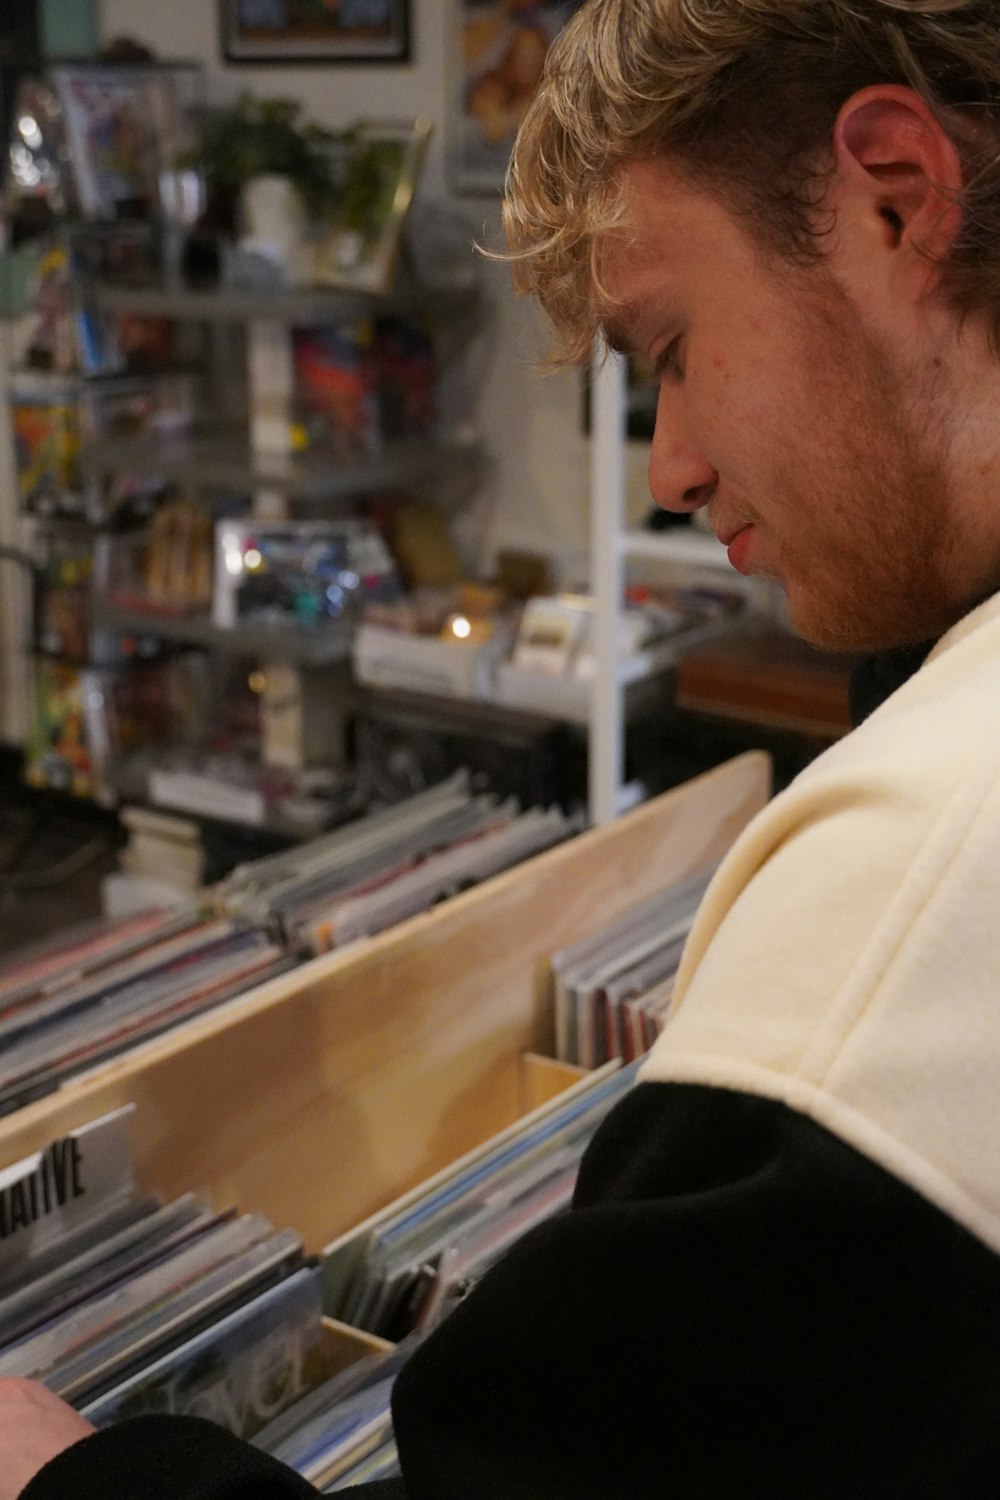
x,y
620,330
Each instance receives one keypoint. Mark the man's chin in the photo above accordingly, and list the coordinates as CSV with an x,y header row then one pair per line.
x,y
829,638
840,630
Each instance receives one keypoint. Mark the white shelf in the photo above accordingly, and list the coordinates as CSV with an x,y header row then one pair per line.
x,y
678,545
612,546
662,655
388,660
569,698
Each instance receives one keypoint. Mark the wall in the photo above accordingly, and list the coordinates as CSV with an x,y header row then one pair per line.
x,y
530,424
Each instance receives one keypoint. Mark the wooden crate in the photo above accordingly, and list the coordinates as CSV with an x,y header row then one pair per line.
x,y
343,1346
324,1094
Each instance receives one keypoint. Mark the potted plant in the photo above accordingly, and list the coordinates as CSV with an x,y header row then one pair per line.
x,y
267,175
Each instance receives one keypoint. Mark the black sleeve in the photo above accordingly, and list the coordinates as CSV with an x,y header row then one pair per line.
x,y
176,1458
739,1305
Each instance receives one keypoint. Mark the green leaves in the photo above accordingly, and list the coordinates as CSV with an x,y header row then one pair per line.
x,y
260,137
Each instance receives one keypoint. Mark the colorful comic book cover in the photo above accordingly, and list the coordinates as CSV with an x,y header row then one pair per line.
x,y
58,754
47,446
335,378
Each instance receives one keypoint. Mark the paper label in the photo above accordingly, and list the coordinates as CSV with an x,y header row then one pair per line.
x,y
64,1186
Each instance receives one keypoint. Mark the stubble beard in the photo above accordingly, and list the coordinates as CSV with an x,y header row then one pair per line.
x,y
868,567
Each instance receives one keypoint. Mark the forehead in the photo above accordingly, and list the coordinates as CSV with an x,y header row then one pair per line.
x,y
673,241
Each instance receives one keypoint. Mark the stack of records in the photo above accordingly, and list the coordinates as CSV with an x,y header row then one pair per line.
x,y
403,1270
123,1305
390,865
341,1434
76,1001
613,988
409,1265
73,1003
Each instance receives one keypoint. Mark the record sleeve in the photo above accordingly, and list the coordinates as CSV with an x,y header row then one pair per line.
x,y
574,963
343,1258
501,844
242,1372
403,1249
71,1183
105,1332
100,1265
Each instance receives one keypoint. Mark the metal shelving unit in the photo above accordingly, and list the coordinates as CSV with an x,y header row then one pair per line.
x,y
223,459
246,445
291,306
296,646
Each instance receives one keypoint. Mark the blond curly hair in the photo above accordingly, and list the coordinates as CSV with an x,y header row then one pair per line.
x,y
741,97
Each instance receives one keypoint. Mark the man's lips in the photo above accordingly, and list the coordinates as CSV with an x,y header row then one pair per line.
x,y
738,542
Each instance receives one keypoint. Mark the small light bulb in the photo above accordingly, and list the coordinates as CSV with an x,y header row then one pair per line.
x,y
461,627
28,126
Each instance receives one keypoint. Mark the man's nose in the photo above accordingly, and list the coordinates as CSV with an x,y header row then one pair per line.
x,y
680,477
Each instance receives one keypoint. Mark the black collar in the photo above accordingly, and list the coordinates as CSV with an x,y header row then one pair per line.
x,y
876,678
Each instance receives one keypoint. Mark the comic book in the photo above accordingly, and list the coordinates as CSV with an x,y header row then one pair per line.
x,y
46,424
58,755
335,379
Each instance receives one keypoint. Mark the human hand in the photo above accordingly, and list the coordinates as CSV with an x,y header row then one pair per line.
x,y
34,1427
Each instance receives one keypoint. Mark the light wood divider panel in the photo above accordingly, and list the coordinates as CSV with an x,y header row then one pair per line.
x,y
322,1095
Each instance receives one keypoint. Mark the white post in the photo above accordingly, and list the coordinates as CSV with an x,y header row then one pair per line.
x,y
271,378
607,526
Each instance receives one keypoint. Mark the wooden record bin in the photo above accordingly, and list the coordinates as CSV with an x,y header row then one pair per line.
x,y
322,1095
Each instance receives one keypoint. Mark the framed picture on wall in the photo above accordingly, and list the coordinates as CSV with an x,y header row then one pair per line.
x,y
499,52
124,127
378,165
315,31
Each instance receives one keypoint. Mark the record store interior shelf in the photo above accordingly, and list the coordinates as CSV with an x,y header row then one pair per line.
x,y
679,544
568,698
298,307
327,1092
224,460
612,546
301,646
156,434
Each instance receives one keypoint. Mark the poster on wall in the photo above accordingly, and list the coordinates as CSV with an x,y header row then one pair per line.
x,y
315,31
500,49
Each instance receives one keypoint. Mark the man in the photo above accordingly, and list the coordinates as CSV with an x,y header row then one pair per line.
x,y
781,1277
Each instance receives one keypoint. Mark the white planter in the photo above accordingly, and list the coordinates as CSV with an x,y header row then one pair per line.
x,y
274,224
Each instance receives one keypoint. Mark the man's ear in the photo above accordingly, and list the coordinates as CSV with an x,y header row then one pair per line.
x,y
904,175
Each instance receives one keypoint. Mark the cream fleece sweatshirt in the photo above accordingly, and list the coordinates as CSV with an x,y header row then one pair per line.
x,y
846,957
